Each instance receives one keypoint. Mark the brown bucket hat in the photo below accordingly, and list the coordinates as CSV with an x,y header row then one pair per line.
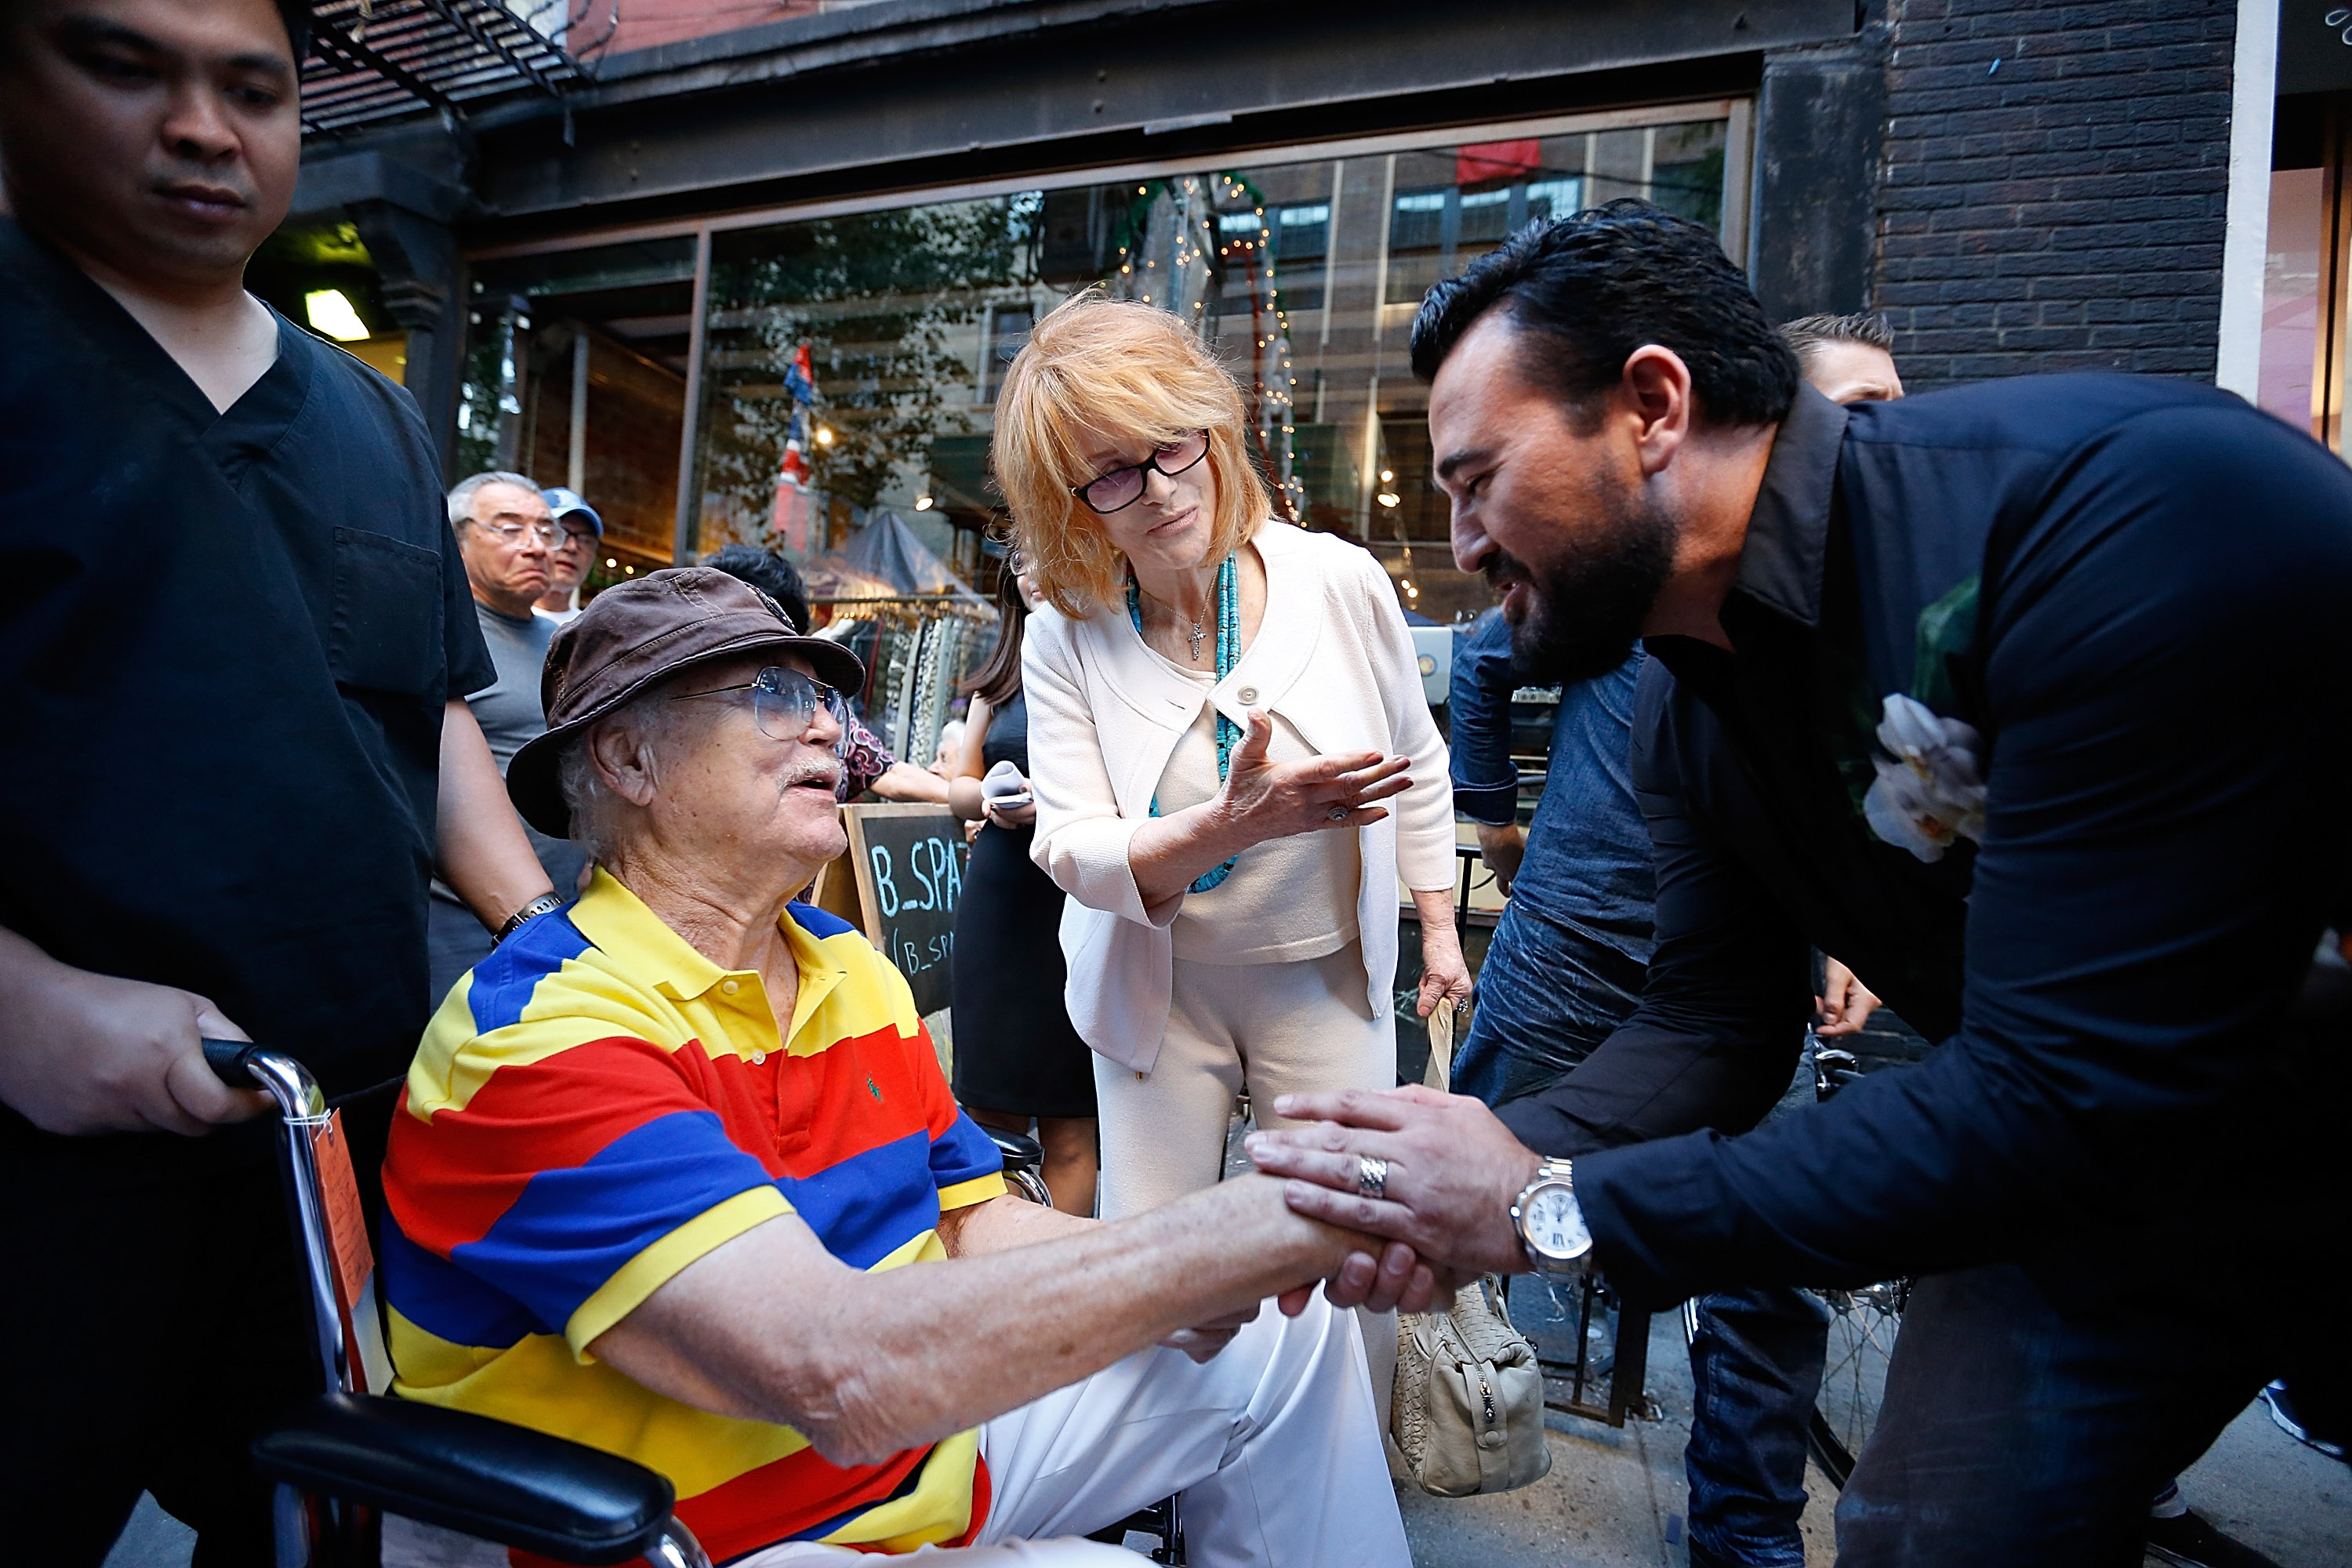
x,y
642,631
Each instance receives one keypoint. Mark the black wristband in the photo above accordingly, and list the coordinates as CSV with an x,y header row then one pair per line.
x,y
538,906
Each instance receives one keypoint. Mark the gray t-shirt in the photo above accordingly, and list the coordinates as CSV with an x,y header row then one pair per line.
x,y
510,714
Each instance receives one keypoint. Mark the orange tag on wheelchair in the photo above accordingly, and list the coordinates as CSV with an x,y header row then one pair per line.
x,y
353,1265
346,1222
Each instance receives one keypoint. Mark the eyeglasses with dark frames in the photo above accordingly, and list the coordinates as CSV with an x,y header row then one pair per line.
x,y
1122,488
785,702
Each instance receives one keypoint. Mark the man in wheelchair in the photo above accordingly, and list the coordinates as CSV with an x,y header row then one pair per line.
x,y
676,1174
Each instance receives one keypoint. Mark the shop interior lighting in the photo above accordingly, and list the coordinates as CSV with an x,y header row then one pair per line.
x,y
610,563
1387,498
330,313
825,435
922,503
1387,476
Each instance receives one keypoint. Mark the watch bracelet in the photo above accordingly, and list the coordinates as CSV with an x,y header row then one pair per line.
x,y
538,906
1551,1168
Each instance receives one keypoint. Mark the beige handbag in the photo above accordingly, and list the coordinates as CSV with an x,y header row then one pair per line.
x,y
1467,1408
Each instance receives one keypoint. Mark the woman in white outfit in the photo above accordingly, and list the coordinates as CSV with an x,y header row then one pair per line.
x,y
1232,759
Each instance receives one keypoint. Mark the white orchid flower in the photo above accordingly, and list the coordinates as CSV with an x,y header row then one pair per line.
x,y
1929,792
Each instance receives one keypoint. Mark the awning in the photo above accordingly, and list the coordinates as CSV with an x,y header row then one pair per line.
x,y
375,61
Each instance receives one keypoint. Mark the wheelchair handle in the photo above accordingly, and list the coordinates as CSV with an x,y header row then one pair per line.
x,y
227,1059
243,1064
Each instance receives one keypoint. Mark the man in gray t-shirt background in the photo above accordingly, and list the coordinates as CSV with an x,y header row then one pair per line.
x,y
507,537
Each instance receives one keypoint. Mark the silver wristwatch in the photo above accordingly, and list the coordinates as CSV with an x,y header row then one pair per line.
x,y
1551,1225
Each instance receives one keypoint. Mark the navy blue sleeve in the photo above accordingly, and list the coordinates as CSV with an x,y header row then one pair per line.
x,y
1479,720
2165,642
1725,1000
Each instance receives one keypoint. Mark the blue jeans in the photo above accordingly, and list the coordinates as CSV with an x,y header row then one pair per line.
x,y
1756,1369
1548,994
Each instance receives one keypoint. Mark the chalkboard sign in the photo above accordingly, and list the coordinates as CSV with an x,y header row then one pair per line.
x,y
907,865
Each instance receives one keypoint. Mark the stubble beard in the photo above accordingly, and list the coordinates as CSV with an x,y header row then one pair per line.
x,y
1587,604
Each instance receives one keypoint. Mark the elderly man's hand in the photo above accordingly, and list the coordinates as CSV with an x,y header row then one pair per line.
x,y
1204,1340
1452,1171
1394,1281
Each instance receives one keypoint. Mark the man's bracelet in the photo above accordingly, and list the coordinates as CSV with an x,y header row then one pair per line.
x,y
538,906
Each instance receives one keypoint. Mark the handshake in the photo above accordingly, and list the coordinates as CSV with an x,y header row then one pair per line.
x,y
1433,1175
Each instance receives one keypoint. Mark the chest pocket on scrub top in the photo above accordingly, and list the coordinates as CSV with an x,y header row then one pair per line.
x,y
387,634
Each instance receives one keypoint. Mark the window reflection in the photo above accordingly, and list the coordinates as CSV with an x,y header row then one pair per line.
x,y
575,375
1305,274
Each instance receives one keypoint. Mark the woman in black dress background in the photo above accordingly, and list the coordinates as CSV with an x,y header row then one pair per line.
x,y
1016,1056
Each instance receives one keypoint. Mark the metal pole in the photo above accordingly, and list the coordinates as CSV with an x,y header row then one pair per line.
x,y
684,542
575,472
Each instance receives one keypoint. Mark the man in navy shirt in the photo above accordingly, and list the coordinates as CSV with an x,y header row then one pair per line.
x,y
2026,700
235,637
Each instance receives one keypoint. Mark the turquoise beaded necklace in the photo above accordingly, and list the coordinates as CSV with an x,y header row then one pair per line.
x,y
1229,637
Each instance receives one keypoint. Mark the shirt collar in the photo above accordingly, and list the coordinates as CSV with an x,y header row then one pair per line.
x,y
1781,562
620,925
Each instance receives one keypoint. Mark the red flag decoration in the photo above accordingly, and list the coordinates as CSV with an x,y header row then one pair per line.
x,y
1483,162
800,375
789,518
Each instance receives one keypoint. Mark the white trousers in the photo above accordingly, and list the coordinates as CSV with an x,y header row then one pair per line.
x,y
1272,1029
1272,1444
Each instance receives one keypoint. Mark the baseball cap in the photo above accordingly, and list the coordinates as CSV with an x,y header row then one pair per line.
x,y
566,504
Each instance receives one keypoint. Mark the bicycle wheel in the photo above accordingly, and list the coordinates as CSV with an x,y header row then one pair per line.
x,y
1862,1326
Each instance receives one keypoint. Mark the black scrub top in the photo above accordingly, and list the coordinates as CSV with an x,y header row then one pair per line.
x,y
225,644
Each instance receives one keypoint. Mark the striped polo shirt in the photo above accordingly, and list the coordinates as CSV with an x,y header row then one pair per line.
x,y
597,1105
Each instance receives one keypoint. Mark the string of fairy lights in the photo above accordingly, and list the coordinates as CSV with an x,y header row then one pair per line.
x,y
1181,219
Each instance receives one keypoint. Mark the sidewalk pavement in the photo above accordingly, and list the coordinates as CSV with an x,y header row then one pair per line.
x,y
1615,1499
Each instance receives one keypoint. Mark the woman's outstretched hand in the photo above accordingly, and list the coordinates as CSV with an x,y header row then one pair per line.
x,y
1263,799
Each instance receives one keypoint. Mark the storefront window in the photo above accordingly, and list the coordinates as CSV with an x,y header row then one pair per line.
x,y
2291,294
575,375
845,357
851,363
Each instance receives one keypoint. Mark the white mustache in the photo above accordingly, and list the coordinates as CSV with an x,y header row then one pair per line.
x,y
813,769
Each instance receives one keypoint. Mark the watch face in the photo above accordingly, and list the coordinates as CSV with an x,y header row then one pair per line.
x,y
1553,1224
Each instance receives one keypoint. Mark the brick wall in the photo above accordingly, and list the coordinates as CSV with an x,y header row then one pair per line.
x,y
2065,209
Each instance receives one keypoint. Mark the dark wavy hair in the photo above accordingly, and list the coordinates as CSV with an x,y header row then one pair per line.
x,y
296,14
1594,287
998,680
768,570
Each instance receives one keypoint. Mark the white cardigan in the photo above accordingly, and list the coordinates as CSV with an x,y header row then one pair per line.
x,y
1332,656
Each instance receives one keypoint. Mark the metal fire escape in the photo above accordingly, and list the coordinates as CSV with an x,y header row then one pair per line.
x,y
377,60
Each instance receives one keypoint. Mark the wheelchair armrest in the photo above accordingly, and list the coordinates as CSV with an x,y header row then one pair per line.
x,y
503,1483
1021,1151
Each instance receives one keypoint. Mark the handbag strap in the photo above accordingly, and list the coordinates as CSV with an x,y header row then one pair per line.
x,y
1440,1023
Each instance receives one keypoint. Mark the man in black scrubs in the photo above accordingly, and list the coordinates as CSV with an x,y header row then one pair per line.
x,y
233,637
2027,699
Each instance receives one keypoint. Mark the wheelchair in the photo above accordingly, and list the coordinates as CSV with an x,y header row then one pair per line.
x,y
352,1454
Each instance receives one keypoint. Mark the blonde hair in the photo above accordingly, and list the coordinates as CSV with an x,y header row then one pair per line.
x,y
1133,372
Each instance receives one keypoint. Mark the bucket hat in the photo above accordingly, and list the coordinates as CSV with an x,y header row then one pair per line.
x,y
641,632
